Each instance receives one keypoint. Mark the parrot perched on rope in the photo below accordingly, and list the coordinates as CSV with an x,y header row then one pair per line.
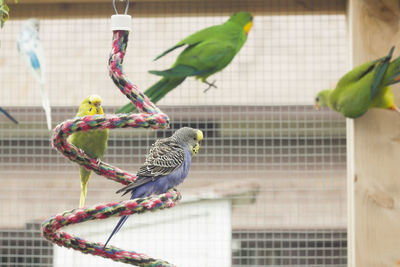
x,y
31,51
94,142
167,165
366,86
8,115
207,51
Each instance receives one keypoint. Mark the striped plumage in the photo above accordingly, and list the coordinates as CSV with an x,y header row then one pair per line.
x,y
167,165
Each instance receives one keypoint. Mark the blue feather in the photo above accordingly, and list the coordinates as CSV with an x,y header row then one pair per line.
x,y
158,186
34,60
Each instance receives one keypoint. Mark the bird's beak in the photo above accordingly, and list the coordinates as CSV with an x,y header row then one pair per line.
x,y
199,135
316,106
247,27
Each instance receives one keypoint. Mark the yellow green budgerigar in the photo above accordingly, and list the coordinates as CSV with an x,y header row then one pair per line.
x,y
94,142
206,52
366,86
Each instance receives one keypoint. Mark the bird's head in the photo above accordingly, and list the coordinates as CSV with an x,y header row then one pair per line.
x,y
91,105
31,23
244,19
189,136
322,98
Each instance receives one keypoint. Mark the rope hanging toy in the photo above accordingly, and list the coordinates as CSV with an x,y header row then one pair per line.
x,y
151,118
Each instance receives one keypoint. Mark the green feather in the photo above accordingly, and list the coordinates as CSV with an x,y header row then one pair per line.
x,y
364,87
206,52
380,72
94,143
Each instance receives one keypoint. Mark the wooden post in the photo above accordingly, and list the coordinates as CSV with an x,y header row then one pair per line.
x,y
374,180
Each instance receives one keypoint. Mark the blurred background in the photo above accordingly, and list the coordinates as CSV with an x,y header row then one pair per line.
x,y
271,172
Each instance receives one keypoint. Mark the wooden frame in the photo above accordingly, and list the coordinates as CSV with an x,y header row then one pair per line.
x,y
373,180
138,8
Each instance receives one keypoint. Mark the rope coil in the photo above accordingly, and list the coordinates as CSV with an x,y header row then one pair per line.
x,y
151,118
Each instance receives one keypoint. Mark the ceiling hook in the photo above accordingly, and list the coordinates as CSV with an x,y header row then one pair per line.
x,y
126,7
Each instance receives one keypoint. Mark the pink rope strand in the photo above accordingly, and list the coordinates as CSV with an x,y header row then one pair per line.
x,y
152,118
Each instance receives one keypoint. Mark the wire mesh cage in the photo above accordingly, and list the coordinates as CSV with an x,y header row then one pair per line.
x,y
278,165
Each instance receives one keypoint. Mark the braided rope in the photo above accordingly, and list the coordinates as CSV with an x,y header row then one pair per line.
x,y
152,118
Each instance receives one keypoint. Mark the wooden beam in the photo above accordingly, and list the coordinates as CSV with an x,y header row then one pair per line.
x,y
375,27
156,8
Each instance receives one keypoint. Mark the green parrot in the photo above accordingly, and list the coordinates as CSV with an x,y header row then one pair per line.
x,y
207,51
364,87
94,143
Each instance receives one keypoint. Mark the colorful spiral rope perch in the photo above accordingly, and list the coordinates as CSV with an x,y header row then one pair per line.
x,y
151,118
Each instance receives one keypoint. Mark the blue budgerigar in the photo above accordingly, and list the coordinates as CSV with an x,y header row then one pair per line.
x,y
167,165
31,51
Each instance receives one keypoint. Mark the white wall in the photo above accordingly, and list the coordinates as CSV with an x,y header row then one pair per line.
x,y
190,234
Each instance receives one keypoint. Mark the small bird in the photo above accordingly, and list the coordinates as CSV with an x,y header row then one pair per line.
x,y
167,165
94,142
207,51
8,115
366,86
31,51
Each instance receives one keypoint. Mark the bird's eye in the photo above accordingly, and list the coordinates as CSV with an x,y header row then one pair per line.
x,y
317,99
90,102
194,138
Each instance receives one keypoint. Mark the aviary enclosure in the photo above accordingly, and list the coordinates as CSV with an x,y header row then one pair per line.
x,y
268,184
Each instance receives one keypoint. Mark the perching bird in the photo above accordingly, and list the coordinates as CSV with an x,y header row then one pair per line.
x,y
31,51
8,115
94,142
167,165
365,87
207,51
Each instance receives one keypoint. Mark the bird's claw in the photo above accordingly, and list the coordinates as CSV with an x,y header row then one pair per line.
x,y
209,85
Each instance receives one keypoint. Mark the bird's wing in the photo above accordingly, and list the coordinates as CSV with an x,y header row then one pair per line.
x,y
164,157
201,60
209,57
380,72
193,39
357,74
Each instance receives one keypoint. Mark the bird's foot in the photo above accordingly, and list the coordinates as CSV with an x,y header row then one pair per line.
x,y
209,85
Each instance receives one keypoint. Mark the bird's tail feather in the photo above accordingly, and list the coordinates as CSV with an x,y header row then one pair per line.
x,y
85,174
8,115
120,223
46,105
83,195
394,72
163,87
116,229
